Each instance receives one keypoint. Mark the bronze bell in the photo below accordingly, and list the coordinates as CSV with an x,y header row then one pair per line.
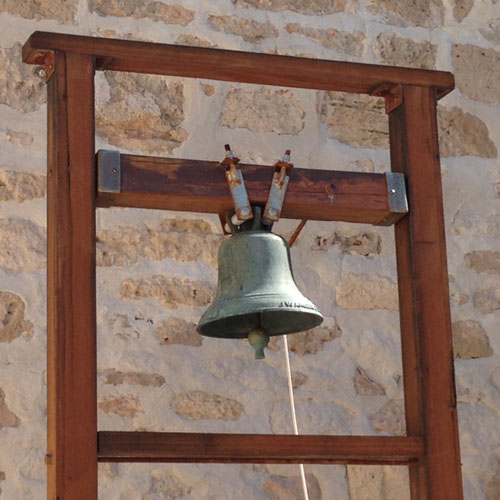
x,y
256,294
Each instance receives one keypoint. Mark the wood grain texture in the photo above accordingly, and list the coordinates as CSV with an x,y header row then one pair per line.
x,y
407,313
200,186
234,66
71,373
256,448
430,401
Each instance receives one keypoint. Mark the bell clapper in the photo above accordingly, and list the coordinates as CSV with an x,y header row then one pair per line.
x,y
258,339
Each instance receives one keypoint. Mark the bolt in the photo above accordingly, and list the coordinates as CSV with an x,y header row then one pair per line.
x,y
115,170
393,191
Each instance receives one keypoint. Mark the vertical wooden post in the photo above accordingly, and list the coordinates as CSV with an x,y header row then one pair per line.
x,y
71,336
430,400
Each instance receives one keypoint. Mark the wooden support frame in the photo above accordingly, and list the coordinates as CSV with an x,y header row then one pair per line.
x,y
431,447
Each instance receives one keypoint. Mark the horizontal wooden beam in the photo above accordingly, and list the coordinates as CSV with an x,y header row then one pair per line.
x,y
200,186
233,66
256,448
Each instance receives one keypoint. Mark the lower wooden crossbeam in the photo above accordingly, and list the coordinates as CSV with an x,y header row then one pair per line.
x,y
182,447
200,186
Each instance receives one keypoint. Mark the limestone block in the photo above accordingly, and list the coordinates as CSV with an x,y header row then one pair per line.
x,y
396,51
185,240
290,488
457,297
390,418
200,405
61,10
7,418
12,322
476,72
250,30
19,138
299,379
121,327
22,86
313,416
347,42
115,377
311,341
263,110
366,243
177,331
470,340
209,90
123,406
475,224
313,7
461,9
144,113
170,291
375,482
193,41
21,186
483,261
22,246
109,469
167,486
365,386
487,300
462,133
137,9
425,13
356,120
492,32
363,165
361,291
360,121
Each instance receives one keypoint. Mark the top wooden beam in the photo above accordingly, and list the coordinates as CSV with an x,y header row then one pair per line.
x,y
234,66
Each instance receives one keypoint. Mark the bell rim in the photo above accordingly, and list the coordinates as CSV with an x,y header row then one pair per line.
x,y
314,316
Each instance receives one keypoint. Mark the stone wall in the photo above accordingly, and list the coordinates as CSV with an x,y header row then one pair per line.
x,y
157,271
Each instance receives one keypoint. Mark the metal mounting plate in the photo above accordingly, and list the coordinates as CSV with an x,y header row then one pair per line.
x,y
398,202
108,171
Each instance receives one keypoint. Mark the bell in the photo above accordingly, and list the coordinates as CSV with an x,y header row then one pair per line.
x,y
256,294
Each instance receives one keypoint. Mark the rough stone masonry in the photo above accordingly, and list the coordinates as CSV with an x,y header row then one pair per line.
x,y
157,271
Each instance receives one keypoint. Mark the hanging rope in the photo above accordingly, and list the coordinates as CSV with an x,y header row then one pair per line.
x,y
294,416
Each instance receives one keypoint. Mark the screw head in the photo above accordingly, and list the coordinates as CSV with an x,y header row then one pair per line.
x,y
393,191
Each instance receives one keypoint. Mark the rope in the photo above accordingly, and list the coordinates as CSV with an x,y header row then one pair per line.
x,y
294,416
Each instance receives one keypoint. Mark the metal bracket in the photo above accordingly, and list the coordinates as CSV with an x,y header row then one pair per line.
x,y
45,58
108,171
392,93
398,202
277,191
236,185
